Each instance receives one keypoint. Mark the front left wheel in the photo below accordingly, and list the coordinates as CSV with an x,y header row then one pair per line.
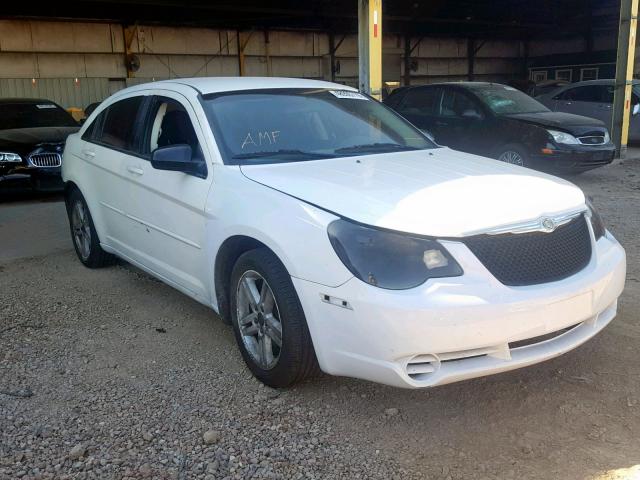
x,y
268,321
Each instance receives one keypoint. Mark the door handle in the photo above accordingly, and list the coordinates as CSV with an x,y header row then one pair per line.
x,y
89,153
441,123
135,170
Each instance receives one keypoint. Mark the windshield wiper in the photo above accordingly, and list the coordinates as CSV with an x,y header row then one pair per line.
x,y
275,153
374,147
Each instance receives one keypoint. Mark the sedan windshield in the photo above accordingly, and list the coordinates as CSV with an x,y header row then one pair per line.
x,y
291,125
505,100
34,115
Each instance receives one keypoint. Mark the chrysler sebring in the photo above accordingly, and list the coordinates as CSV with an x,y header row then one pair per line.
x,y
334,236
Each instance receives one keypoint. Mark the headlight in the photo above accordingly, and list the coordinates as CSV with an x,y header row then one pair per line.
x,y
596,221
562,137
390,260
10,157
607,137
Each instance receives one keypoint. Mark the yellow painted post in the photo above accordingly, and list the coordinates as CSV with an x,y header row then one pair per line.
x,y
624,75
370,47
631,56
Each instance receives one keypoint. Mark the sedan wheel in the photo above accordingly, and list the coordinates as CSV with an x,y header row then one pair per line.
x,y
512,157
83,233
259,320
268,320
81,229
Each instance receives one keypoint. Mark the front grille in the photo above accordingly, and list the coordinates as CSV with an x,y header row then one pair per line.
x,y
46,159
537,257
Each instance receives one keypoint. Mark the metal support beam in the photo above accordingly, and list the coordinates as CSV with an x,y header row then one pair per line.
x,y
408,50
267,52
242,45
129,34
471,55
473,48
624,75
333,48
370,47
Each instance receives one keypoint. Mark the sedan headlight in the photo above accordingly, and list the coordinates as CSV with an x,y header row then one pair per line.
x,y
563,137
10,157
390,260
596,221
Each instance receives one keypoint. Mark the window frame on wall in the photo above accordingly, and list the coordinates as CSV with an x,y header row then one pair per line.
x,y
586,69
565,70
535,73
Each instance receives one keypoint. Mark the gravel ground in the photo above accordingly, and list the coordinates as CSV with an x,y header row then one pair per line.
x,y
111,374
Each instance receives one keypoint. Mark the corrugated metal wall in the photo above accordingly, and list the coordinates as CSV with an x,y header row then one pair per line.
x,y
64,91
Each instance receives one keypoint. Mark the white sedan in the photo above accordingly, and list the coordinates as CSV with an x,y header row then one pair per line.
x,y
334,236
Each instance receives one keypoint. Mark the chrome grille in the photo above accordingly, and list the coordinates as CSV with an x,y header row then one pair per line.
x,y
46,159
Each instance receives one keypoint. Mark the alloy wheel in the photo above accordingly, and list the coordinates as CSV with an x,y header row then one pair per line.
x,y
258,319
81,229
512,157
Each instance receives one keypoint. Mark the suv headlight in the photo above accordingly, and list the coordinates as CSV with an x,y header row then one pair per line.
x,y
9,157
596,221
390,260
563,137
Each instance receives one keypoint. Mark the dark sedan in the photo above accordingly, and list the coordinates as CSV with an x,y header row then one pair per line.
x,y
501,122
32,137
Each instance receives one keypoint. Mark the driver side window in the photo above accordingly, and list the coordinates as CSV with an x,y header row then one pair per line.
x,y
169,124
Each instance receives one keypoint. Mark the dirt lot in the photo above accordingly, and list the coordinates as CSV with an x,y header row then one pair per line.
x,y
111,374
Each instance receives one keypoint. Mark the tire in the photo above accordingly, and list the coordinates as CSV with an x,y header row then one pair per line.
x,y
83,233
261,314
513,154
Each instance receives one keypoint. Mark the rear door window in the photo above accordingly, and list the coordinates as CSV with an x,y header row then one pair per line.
x,y
421,100
116,126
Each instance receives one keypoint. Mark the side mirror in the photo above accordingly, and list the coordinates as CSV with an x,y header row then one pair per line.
x,y
635,109
178,158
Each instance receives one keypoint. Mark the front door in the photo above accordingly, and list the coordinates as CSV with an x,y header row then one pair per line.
x,y
462,123
169,205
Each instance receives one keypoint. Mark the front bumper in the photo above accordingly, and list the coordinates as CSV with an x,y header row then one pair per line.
x,y
574,158
458,328
34,178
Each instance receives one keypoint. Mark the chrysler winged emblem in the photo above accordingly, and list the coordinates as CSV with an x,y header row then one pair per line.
x,y
548,225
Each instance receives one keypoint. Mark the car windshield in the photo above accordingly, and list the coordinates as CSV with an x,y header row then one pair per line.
x,y
33,115
289,125
505,100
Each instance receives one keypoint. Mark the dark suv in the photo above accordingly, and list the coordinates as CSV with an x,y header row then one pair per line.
x,y
501,122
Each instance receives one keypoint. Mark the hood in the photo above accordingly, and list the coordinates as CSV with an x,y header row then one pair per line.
x,y
440,192
575,124
26,139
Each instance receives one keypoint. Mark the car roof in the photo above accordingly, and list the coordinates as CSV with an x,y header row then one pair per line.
x,y
601,81
205,85
459,84
25,100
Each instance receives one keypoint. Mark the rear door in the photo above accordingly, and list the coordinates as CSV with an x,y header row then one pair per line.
x,y
420,106
110,144
170,205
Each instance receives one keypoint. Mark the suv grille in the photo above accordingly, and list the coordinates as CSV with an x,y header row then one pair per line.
x,y
534,258
46,159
